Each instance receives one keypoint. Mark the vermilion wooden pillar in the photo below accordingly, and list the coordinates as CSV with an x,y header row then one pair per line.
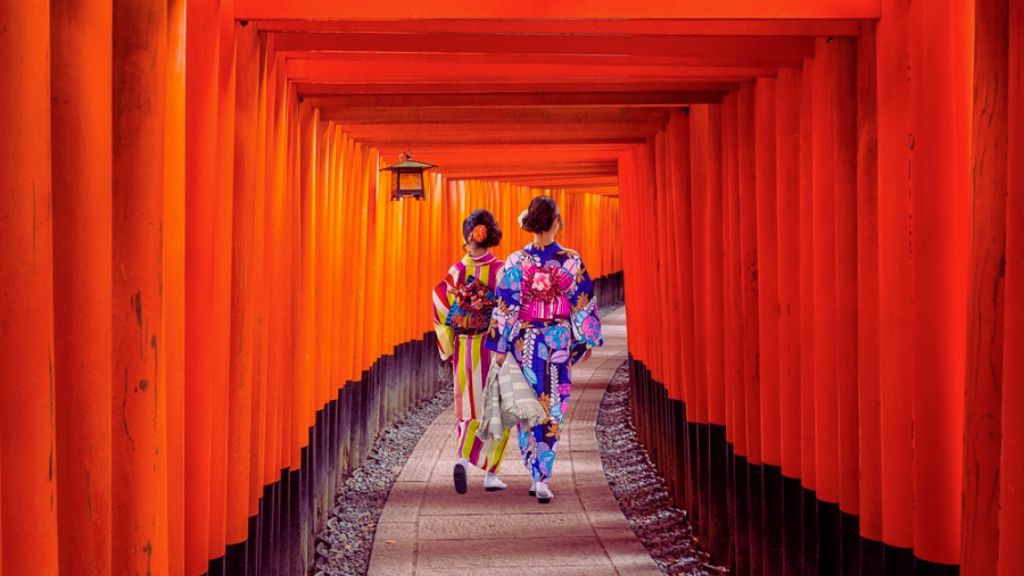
x,y
735,399
748,272
674,376
682,227
939,40
374,241
767,254
307,385
1011,495
846,299
808,443
314,173
667,208
716,519
749,489
81,78
354,232
330,227
275,279
360,232
329,244
139,401
335,235
218,339
985,360
258,298
652,203
787,170
637,161
243,282
289,454
201,221
697,207
676,168
633,286
359,239
714,327
895,298
868,336
267,266
826,183
846,341
173,366
398,223
28,486
771,493
338,219
787,130
304,381
289,284
824,266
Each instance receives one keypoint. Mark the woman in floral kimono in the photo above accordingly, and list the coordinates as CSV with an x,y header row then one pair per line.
x,y
546,316
462,313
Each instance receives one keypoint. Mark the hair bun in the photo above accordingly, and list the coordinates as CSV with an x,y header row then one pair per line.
x,y
541,215
482,228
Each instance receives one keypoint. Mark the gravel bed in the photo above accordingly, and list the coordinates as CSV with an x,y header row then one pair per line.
x,y
343,549
640,490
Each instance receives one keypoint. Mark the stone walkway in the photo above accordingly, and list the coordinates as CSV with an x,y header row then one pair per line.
x,y
428,529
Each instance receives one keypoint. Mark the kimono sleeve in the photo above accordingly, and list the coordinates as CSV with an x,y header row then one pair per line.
x,y
504,317
443,298
586,325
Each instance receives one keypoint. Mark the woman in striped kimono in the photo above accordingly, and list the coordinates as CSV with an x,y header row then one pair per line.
x,y
546,316
462,314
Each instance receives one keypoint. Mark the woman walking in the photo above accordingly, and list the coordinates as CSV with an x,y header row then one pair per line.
x,y
546,316
463,302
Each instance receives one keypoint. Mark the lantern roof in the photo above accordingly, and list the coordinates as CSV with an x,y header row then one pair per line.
x,y
409,163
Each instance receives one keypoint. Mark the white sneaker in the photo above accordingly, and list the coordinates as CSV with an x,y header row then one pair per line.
x,y
544,494
492,483
533,489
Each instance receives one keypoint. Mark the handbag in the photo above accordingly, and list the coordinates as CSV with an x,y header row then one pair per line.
x,y
492,422
508,399
524,407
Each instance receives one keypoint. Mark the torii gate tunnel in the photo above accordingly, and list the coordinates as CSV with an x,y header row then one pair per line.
x,y
209,304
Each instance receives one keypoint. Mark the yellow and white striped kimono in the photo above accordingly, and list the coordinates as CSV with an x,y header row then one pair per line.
x,y
462,315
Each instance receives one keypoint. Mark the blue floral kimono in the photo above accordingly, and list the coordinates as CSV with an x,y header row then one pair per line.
x,y
546,316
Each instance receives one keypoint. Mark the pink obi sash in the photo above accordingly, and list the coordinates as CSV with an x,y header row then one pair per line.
x,y
544,295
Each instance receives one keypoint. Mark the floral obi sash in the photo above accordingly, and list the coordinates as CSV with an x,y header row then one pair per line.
x,y
545,295
471,312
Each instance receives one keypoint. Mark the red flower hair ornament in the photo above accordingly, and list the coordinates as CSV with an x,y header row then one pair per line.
x,y
479,233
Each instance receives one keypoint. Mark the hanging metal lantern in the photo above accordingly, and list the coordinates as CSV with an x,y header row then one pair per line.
x,y
407,177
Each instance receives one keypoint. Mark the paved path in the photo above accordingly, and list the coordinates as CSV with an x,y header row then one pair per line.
x,y
428,529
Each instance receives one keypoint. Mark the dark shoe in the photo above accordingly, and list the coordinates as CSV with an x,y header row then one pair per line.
x,y
460,479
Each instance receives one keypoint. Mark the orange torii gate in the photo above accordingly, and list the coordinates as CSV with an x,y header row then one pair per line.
x,y
816,207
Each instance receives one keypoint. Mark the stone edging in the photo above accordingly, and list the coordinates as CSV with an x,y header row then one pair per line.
x,y
344,547
640,490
